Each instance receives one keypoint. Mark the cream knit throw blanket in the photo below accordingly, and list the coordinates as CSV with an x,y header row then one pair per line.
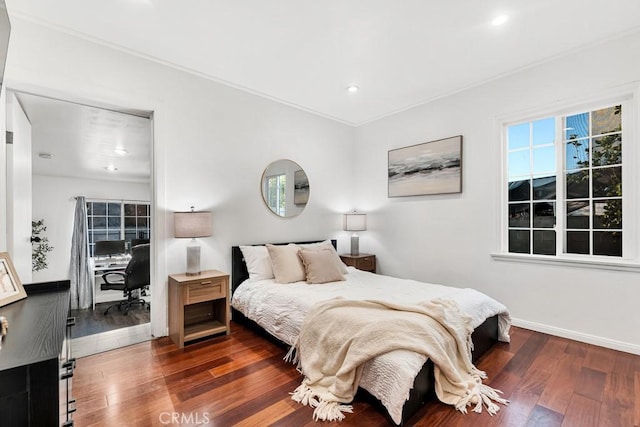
x,y
338,336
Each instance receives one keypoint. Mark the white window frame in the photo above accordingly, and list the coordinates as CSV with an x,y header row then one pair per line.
x,y
629,261
122,215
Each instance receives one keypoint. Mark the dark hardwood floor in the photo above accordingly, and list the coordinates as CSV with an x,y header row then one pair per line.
x,y
242,380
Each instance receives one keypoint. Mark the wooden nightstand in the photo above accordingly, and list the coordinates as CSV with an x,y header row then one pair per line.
x,y
366,262
198,306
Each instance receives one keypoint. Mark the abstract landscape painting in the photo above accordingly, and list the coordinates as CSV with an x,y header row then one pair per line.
x,y
430,168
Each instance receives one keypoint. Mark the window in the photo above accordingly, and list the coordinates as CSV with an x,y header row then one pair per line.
x,y
275,190
564,190
117,220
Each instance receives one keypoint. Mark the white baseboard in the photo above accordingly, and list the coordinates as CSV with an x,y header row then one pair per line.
x,y
578,336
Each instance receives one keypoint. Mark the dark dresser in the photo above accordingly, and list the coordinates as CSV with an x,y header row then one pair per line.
x,y
35,363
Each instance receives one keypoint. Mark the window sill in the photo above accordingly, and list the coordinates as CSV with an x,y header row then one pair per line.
x,y
599,263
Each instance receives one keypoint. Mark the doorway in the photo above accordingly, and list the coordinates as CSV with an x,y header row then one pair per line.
x,y
103,155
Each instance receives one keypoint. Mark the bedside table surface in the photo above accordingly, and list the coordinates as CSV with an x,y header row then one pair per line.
x,y
355,256
207,274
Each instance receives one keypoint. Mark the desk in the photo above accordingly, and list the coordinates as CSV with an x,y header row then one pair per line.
x,y
101,266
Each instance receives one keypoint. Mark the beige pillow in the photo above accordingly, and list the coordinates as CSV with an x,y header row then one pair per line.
x,y
327,245
320,266
287,265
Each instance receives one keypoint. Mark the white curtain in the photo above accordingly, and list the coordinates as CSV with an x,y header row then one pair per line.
x,y
79,271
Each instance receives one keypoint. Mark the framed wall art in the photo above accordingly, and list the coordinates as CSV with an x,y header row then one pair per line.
x,y
10,287
429,168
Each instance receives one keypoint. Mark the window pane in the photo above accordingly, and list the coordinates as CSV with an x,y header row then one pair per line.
x,y
544,131
99,208
129,223
519,164
98,237
99,222
114,222
544,216
578,214
544,160
519,241
544,242
578,185
578,242
142,210
607,243
607,182
519,215
577,154
89,208
142,223
607,214
607,150
113,236
520,190
544,188
518,136
577,126
129,209
114,209
129,235
607,120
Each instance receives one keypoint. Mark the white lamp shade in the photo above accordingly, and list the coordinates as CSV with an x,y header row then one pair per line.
x,y
192,224
355,221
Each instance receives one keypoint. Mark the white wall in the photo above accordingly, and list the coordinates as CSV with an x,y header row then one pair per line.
x,y
448,238
3,169
19,191
54,201
211,145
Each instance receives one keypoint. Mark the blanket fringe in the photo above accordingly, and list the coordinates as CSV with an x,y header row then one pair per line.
x,y
481,394
324,409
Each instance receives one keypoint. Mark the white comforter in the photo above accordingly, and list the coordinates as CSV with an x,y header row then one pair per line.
x,y
280,310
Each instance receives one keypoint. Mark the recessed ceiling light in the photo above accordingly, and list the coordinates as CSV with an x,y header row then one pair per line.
x,y
120,151
499,20
352,89
111,168
47,156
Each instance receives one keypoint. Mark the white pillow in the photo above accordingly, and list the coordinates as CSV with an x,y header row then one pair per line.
x,y
258,262
287,265
327,245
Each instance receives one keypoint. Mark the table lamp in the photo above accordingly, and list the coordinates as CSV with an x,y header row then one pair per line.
x,y
192,225
354,221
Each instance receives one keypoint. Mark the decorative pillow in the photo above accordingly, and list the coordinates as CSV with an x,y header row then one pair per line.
x,y
320,266
287,265
258,262
327,245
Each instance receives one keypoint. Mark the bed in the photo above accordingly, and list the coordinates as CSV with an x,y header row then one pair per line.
x,y
401,381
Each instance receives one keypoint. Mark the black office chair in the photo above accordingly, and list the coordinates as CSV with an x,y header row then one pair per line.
x,y
135,276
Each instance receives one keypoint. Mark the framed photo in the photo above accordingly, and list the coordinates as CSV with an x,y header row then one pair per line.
x,y
11,289
301,188
429,168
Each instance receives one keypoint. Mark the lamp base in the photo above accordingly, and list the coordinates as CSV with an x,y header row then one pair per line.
x,y
355,245
193,260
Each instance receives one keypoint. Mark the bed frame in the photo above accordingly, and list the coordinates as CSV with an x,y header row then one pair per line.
x,y
484,337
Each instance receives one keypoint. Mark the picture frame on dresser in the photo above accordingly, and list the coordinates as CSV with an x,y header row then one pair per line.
x,y
11,289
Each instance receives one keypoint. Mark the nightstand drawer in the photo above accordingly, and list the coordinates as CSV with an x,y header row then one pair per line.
x,y
367,263
204,290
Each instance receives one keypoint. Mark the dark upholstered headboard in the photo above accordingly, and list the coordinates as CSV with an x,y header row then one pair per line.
x,y
239,271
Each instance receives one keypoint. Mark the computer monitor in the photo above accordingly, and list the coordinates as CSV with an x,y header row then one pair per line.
x,y
109,247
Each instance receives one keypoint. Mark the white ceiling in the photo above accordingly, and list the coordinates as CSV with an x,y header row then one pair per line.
x,y
82,140
306,52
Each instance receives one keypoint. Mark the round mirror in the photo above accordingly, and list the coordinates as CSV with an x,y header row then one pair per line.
x,y
285,188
